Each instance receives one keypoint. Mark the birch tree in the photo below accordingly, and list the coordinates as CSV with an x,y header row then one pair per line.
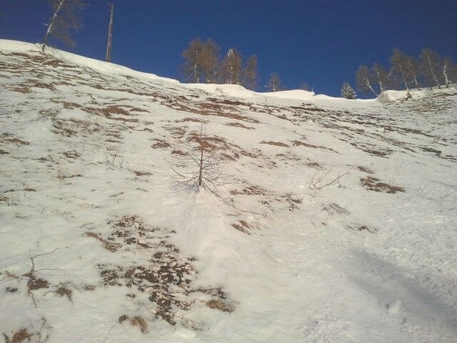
x,y
430,65
449,71
380,77
399,68
364,79
412,70
65,17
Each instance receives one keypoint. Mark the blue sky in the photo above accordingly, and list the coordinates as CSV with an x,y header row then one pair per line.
x,y
319,42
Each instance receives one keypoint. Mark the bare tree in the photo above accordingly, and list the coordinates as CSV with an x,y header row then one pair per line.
x,y
64,19
249,79
364,79
275,84
210,61
202,166
110,33
231,67
412,70
449,71
380,77
430,63
201,61
304,86
399,69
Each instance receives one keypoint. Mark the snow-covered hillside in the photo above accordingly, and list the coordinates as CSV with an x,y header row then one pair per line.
x,y
324,219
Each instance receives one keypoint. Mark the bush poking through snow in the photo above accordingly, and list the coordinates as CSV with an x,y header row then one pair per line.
x,y
335,209
320,180
135,321
23,335
207,172
33,281
219,305
18,337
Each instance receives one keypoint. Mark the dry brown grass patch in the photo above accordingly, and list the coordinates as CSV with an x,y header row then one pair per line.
x,y
142,173
179,152
22,89
315,165
209,143
362,228
140,322
218,304
111,246
240,125
334,208
373,184
300,143
135,321
9,138
194,120
160,144
275,143
242,226
250,190
22,335
71,154
365,170
29,189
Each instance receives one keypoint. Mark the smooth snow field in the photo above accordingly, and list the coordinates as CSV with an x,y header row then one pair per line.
x,y
134,208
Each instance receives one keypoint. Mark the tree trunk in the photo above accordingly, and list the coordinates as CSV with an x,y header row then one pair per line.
x,y
110,33
51,23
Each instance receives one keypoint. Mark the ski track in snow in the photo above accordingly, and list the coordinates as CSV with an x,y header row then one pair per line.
x,y
326,220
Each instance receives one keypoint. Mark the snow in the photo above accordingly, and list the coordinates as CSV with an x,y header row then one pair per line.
x,y
326,219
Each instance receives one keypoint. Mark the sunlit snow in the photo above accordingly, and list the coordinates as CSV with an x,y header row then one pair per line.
x,y
324,219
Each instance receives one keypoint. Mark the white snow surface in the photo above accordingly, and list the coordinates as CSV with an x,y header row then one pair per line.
x,y
325,220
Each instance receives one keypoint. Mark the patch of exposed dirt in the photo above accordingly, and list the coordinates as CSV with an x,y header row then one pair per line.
x,y
165,275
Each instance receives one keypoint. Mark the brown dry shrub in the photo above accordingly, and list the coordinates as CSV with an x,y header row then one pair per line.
x,y
22,335
218,304
35,283
135,321
65,291
139,321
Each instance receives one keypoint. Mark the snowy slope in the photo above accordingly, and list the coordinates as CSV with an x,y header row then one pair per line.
x,y
324,220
